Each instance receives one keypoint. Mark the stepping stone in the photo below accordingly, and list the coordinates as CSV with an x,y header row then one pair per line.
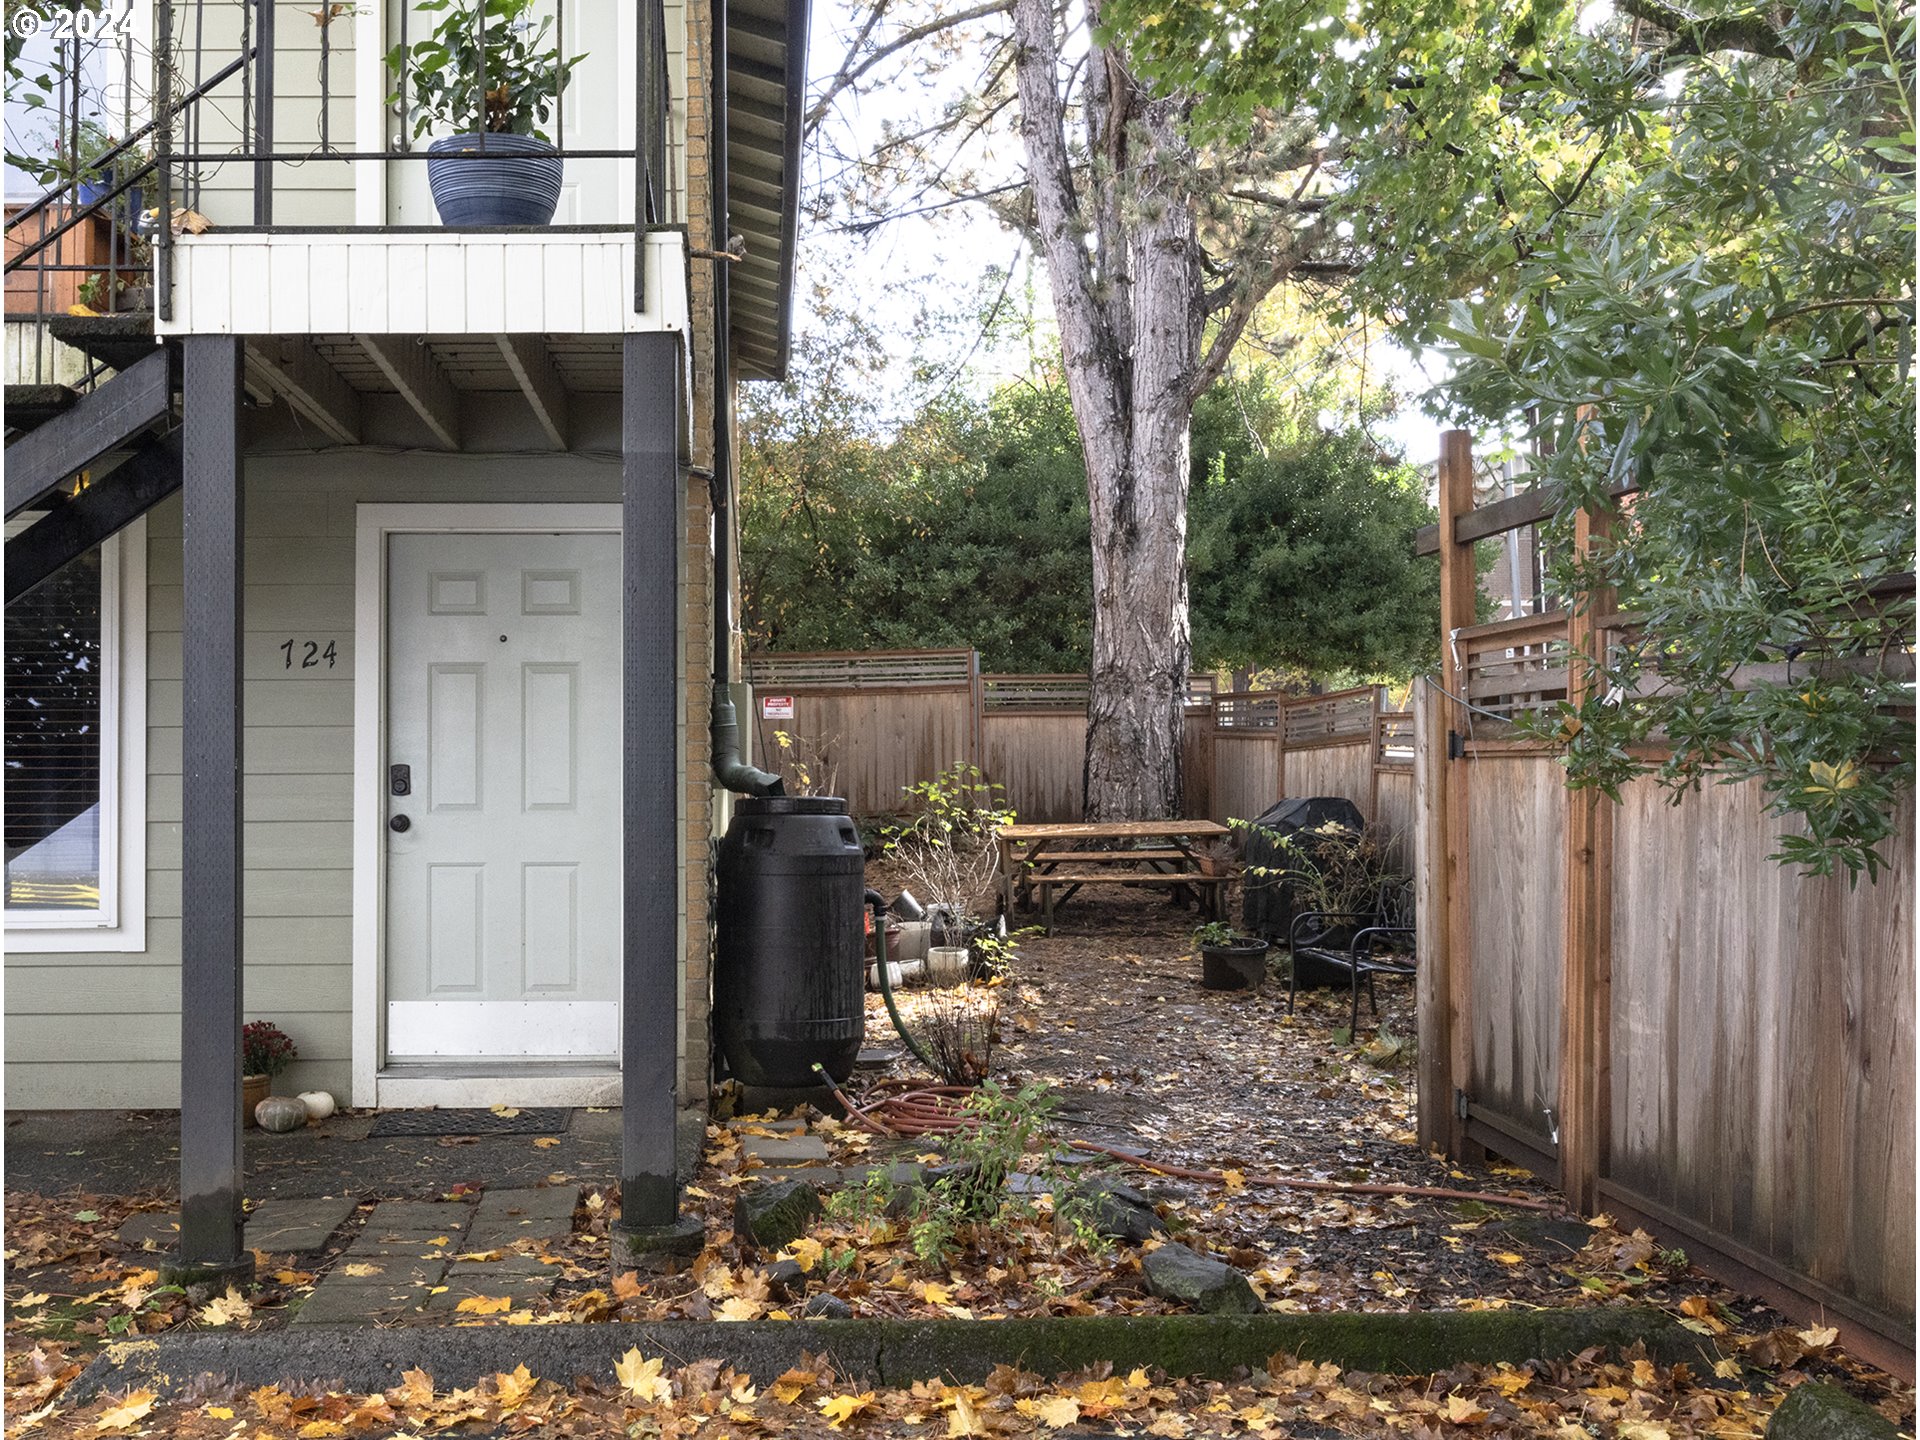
x,y
785,1127
521,1290
821,1177
785,1149
504,1216
875,1059
406,1219
333,1304
1211,1286
775,1215
387,1270
159,1230
506,1267
295,1226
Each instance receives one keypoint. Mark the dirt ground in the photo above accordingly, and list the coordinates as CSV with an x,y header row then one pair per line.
x,y
1107,1015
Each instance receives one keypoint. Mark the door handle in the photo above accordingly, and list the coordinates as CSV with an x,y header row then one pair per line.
x,y
400,824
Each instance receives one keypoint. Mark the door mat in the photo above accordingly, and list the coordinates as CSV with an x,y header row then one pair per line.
x,y
469,1122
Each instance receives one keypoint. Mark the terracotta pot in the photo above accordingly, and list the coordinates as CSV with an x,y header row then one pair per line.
x,y
253,1089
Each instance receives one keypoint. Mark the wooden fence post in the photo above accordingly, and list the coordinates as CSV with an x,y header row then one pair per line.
x,y
1587,951
1459,587
1436,1124
1373,758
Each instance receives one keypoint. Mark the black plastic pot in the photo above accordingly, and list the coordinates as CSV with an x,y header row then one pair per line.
x,y
1241,965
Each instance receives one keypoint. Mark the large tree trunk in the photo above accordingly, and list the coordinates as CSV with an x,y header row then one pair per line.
x,y
1130,335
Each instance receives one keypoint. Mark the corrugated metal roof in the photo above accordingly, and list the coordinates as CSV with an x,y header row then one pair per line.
x,y
766,90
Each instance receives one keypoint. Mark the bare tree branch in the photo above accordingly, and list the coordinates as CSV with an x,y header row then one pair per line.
x,y
1702,36
851,72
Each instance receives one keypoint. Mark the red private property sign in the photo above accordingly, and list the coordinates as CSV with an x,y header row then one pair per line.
x,y
776,707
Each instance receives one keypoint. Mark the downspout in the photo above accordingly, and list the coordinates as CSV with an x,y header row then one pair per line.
x,y
729,769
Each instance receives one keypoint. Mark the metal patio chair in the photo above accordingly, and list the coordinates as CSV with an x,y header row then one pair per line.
x,y
1362,943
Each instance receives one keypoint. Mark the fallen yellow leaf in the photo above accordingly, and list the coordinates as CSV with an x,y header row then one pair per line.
x,y
1058,1412
359,1268
128,1412
545,1142
841,1408
218,1412
1462,1411
225,1309
965,1419
643,1379
1819,1337
484,1304
37,1298
1507,1257
806,1252
321,1430
1235,1181
515,1388
789,1386
739,1308
506,1112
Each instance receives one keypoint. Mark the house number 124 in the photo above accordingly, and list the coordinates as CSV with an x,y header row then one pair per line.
x,y
312,657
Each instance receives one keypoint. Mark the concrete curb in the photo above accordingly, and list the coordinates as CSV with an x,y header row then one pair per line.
x,y
893,1352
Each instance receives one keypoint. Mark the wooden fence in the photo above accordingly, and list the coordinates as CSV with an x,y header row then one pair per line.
x,y
883,720
1635,1001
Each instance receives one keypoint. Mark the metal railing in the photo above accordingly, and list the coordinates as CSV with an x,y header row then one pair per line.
x,y
38,235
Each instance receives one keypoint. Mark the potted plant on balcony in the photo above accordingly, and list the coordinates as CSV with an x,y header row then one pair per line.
x,y
437,87
265,1050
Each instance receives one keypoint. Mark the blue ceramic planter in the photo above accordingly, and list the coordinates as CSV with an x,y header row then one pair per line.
x,y
522,187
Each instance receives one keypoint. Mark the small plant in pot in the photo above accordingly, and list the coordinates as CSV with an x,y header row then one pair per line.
x,y
1230,960
950,853
265,1051
518,181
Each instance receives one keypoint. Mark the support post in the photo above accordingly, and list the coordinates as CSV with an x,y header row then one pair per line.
x,y
212,1254
1587,976
1459,586
651,940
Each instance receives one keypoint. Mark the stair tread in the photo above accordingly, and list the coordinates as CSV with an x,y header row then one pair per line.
x,y
29,406
120,341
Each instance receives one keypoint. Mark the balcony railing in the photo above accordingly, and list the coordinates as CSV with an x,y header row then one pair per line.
x,y
161,168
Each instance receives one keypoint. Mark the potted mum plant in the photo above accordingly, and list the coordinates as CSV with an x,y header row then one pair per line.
x,y
265,1050
437,88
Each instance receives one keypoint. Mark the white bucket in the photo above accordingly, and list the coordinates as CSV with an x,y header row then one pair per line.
x,y
947,964
916,938
899,972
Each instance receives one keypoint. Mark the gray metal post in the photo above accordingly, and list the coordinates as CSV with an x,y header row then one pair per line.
x,y
211,1165
652,515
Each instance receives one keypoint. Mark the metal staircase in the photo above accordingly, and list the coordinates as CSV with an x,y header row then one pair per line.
x,y
82,465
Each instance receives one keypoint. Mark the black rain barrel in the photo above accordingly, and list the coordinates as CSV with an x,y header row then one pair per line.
x,y
788,984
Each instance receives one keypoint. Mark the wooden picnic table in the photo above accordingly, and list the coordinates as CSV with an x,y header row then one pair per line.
x,y
1046,858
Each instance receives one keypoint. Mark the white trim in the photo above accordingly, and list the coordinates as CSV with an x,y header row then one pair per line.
x,y
370,113
372,527
120,925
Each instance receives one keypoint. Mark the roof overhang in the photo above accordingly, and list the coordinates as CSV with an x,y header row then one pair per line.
x,y
766,95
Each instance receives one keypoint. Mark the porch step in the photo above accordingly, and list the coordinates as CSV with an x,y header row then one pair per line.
x,y
31,406
118,341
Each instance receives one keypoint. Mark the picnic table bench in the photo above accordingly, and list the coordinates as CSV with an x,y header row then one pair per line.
x,y
1043,859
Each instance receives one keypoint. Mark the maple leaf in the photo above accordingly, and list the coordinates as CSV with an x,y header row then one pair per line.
x,y
293,1277
789,1386
1059,1412
28,1301
321,1430
218,1412
643,1379
841,1408
806,1253
626,1285
934,1293
1819,1337
1507,1257
225,1309
506,1112
965,1419
1644,1430
515,1388
1171,1427
128,1412
1510,1382
485,1304
739,1308
545,1142
1462,1411
1234,1180
359,1268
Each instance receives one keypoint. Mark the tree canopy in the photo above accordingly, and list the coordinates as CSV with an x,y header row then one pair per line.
x,y
968,526
1682,242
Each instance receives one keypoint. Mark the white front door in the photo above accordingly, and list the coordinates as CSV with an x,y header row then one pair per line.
x,y
502,797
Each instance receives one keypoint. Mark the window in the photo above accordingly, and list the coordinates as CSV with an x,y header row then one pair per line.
x,y
75,754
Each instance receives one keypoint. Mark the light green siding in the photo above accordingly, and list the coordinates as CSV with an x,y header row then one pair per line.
x,y
97,1029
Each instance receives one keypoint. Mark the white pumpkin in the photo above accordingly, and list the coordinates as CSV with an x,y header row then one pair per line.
x,y
318,1102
